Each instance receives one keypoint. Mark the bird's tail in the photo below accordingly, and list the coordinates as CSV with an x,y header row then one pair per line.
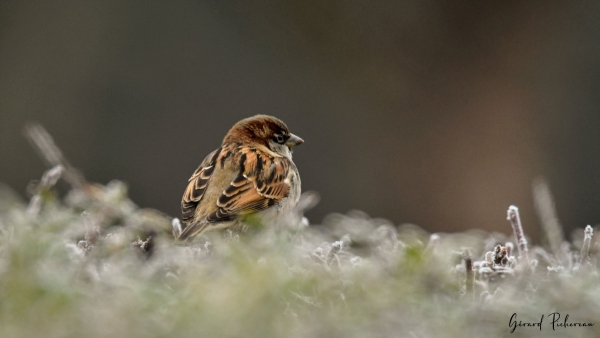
x,y
193,230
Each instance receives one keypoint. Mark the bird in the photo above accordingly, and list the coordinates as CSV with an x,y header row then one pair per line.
x,y
252,173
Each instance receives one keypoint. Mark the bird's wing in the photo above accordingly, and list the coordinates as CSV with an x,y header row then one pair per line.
x,y
261,183
197,185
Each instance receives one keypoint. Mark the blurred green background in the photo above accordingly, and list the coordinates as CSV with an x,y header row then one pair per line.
x,y
438,113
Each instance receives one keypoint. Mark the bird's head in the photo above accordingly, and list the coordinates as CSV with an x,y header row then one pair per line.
x,y
267,131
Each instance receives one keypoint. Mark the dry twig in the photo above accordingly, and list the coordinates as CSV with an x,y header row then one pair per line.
x,y
43,143
544,205
49,179
587,239
515,221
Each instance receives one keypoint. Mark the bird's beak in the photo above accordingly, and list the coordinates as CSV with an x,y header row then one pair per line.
x,y
293,141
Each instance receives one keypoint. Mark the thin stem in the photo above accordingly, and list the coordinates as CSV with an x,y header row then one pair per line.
x,y
587,240
49,179
515,221
43,143
544,204
470,281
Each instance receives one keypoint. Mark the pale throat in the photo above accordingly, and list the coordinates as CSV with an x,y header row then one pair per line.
x,y
280,149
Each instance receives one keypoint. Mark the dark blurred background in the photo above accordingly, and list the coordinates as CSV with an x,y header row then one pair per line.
x,y
438,113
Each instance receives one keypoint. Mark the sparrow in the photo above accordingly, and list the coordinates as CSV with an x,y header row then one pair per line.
x,y
251,173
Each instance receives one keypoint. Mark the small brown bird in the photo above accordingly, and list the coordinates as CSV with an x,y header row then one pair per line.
x,y
252,172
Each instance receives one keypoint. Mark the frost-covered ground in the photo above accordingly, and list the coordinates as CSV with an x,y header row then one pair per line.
x,y
93,264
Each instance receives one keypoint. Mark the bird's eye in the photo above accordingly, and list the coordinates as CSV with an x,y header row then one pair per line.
x,y
279,138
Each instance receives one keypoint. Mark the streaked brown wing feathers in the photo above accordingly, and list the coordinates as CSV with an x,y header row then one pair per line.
x,y
260,184
197,186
